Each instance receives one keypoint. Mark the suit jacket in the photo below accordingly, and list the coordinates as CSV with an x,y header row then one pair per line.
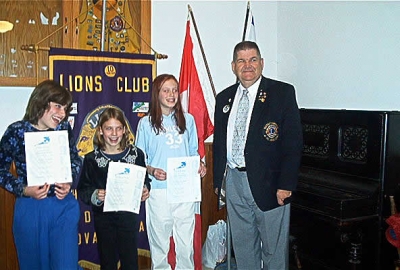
x,y
274,141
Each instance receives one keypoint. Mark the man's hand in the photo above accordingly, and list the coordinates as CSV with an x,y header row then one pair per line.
x,y
281,195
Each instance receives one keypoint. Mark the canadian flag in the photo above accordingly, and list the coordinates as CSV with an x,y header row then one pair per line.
x,y
198,99
196,92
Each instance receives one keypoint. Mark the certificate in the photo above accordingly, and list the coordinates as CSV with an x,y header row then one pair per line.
x,y
124,187
47,157
183,179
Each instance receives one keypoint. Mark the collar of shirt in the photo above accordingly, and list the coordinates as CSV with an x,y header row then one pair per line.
x,y
252,94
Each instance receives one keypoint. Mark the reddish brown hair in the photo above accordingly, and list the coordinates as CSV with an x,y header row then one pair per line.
x,y
155,112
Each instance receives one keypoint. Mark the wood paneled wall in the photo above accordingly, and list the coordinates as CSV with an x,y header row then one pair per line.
x,y
210,213
30,27
20,67
8,255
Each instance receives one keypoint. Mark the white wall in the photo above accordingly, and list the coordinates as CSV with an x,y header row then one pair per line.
x,y
341,54
220,25
13,103
338,54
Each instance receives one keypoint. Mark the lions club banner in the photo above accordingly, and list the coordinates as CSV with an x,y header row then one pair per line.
x,y
98,80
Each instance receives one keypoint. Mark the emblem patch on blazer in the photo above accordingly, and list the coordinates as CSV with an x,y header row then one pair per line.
x,y
271,131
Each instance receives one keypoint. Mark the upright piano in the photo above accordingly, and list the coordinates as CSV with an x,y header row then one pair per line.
x,y
350,166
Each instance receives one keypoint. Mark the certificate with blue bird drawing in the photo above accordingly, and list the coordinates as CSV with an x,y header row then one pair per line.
x,y
183,179
47,157
124,187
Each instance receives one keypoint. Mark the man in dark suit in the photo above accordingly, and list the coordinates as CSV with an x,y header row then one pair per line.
x,y
261,177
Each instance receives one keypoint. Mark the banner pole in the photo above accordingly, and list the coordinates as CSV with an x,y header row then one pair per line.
x,y
103,24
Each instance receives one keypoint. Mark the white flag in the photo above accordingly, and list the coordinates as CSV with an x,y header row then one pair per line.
x,y
251,29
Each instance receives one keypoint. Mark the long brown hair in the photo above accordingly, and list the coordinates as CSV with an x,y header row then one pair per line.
x,y
44,93
155,112
107,114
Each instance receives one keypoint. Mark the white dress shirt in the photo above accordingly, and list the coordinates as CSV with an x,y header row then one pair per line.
x,y
232,117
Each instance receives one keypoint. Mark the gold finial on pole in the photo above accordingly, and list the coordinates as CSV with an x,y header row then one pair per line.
x,y
161,56
34,48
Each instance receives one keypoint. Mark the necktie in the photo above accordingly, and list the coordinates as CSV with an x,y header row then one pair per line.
x,y
239,134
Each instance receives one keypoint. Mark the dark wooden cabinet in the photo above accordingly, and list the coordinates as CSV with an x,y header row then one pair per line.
x,y
350,168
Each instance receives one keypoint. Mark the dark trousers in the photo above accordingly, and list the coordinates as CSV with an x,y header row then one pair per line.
x,y
117,238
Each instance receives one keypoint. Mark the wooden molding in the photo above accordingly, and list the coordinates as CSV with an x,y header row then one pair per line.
x,y
21,81
145,26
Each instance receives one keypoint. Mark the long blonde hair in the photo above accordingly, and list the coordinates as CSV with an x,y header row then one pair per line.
x,y
107,114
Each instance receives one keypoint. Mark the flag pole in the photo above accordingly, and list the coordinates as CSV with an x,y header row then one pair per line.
x,y
246,20
202,50
245,27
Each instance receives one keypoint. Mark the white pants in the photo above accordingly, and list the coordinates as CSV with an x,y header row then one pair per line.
x,y
165,219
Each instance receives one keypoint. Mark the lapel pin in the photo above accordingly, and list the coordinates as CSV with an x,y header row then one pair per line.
x,y
226,108
262,96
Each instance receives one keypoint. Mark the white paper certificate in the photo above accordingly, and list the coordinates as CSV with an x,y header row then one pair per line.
x,y
47,157
183,180
124,187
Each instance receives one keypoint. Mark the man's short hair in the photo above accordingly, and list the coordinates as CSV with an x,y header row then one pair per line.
x,y
245,45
